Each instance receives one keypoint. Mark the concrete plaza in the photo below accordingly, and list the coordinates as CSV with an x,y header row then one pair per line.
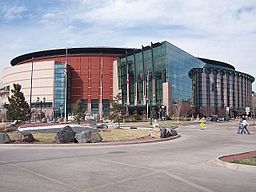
x,y
188,163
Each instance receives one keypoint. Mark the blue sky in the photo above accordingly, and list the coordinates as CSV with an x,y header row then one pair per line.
x,y
222,30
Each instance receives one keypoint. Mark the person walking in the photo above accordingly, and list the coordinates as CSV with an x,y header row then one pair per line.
x,y
244,126
240,126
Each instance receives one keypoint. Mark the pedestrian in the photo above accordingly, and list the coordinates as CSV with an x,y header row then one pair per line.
x,y
244,126
240,126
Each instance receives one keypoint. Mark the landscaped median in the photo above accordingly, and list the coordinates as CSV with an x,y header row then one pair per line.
x,y
81,134
239,161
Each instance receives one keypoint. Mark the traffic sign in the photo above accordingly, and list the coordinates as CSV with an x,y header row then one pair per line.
x,y
202,124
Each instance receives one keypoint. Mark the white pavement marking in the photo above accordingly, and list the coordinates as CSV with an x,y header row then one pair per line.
x,y
121,181
199,187
42,176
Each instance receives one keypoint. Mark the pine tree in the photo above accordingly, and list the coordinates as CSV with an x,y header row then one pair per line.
x,y
118,110
18,108
79,111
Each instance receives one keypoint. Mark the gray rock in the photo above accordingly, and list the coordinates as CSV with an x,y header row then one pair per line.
x,y
65,135
102,126
23,136
27,137
88,136
167,132
4,138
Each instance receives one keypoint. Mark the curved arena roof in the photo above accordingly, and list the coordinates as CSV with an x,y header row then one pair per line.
x,y
71,51
217,63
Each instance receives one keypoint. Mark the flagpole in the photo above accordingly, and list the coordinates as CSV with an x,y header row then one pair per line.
x,y
101,89
66,90
30,95
127,86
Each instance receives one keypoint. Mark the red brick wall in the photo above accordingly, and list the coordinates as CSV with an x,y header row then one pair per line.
x,y
85,74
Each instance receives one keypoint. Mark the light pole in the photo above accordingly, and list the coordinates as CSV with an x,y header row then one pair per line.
x,y
41,106
30,94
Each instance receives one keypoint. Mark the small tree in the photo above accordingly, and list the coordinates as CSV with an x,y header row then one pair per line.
x,y
79,111
18,108
117,112
181,109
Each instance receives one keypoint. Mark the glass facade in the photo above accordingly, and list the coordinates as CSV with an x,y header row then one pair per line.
x,y
59,90
219,89
179,64
143,72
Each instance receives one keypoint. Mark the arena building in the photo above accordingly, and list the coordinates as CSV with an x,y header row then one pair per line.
x,y
154,78
53,80
163,76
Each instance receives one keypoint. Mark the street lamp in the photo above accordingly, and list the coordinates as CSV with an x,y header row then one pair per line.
x,y
41,106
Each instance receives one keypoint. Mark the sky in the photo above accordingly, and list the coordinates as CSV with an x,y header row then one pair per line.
x,y
223,30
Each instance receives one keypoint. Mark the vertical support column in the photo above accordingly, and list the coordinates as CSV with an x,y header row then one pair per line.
x,y
204,101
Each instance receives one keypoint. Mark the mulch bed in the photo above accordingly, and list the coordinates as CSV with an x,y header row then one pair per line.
x,y
240,156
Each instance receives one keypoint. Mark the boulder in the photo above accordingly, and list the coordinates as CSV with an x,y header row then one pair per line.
x,y
88,136
23,136
102,126
27,137
4,138
65,135
167,132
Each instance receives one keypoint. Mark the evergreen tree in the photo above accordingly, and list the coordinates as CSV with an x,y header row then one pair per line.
x,y
79,111
18,108
117,112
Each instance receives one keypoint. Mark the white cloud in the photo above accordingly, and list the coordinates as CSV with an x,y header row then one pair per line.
x,y
222,29
12,12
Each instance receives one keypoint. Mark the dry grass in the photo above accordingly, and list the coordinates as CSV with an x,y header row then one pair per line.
x,y
248,161
123,134
44,137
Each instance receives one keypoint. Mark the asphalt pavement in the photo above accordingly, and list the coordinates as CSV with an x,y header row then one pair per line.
x,y
189,163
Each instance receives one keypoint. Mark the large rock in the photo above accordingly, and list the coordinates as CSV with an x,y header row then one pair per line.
x,y
65,135
167,132
23,136
4,138
27,137
88,136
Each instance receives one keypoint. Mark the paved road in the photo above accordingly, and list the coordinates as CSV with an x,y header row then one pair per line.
x,y
185,164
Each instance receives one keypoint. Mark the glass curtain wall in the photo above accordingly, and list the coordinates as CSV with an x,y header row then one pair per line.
x,y
143,72
59,90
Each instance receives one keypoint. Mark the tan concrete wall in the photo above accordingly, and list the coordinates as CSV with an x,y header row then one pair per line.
x,y
43,79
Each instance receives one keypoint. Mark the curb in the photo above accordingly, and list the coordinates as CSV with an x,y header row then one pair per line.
x,y
233,166
93,144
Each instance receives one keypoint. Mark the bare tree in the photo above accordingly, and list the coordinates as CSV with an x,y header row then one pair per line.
x,y
181,109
